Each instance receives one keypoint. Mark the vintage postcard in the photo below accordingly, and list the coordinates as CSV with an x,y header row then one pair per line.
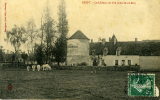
x,y
80,49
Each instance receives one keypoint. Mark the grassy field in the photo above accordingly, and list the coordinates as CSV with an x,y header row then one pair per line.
x,y
67,85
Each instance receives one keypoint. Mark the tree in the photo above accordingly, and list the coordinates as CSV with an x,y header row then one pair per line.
x,y
59,52
39,54
24,57
41,29
49,30
61,44
16,37
31,34
1,54
13,57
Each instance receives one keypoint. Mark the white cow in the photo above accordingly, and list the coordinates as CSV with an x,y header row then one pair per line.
x,y
38,67
33,67
46,67
28,68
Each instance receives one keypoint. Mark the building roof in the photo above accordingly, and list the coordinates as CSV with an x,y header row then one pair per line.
x,y
78,35
128,48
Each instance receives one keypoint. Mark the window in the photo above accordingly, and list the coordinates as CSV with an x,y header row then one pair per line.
x,y
123,62
116,62
129,62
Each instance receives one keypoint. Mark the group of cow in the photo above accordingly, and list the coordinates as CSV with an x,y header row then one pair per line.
x,y
39,67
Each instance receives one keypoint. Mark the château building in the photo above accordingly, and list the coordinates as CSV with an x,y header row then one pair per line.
x,y
112,53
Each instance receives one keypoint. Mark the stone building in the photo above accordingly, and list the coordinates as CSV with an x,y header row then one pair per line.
x,y
78,49
112,53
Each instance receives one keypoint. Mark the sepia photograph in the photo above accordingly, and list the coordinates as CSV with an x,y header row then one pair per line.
x,y
80,49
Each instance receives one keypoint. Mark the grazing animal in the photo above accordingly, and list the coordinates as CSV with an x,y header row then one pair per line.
x,y
33,67
46,67
28,68
38,67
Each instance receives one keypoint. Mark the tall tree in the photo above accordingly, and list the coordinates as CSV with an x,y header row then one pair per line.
x,y
49,30
16,37
41,29
61,44
32,33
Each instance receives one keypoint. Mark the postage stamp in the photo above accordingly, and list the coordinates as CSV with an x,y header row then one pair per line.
x,y
141,84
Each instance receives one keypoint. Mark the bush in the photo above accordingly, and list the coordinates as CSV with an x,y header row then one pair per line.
x,y
13,65
109,68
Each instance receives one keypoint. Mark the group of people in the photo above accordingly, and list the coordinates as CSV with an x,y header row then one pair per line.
x,y
35,67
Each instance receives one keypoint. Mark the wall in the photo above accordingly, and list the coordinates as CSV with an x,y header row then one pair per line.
x,y
74,60
77,51
110,59
78,47
150,62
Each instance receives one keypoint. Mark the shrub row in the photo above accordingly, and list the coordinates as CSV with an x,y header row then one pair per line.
x,y
109,68
12,65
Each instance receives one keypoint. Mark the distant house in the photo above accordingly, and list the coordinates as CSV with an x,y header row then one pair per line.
x,y
77,49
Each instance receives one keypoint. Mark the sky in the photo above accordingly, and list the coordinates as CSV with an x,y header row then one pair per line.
x,y
127,22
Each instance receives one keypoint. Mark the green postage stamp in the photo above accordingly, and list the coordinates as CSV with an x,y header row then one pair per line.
x,y
141,84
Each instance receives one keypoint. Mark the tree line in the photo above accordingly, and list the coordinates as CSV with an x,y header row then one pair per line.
x,y
45,44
